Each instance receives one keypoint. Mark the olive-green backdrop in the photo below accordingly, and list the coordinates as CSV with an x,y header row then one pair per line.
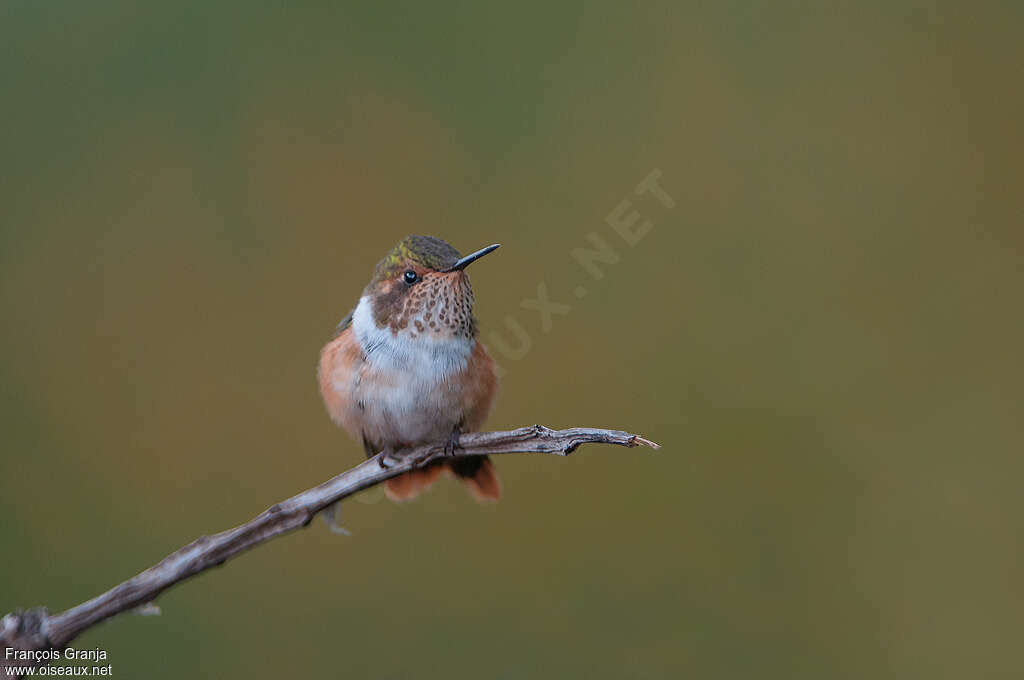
x,y
821,325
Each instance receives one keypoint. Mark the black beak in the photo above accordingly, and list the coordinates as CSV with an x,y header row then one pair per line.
x,y
473,257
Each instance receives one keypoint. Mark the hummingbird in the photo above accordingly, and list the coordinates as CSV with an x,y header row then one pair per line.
x,y
405,367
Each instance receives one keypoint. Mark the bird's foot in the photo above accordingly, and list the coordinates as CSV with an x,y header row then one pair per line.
x,y
452,444
387,458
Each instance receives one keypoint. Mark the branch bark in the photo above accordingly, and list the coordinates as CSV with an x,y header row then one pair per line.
x,y
37,629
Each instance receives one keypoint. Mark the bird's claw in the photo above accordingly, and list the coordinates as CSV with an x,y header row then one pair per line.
x,y
452,444
386,459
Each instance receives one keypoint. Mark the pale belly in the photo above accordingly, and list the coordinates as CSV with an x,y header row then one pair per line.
x,y
393,390
394,409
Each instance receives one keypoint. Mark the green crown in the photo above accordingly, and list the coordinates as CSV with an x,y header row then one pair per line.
x,y
427,251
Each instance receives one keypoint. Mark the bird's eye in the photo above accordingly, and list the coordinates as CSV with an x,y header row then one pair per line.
x,y
411,277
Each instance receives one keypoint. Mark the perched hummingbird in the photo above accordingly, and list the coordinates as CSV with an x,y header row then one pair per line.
x,y
405,367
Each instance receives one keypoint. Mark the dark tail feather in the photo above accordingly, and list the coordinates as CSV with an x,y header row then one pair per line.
x,y
480,477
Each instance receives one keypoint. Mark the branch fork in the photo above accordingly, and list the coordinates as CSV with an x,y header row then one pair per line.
x,y
37,629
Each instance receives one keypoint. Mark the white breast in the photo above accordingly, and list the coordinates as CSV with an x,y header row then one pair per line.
x,y
405,391
429,359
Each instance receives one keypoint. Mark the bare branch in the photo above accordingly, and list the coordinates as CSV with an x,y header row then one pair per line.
x,y
36,629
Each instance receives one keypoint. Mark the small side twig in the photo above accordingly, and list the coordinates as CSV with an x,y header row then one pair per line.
x,y
37,629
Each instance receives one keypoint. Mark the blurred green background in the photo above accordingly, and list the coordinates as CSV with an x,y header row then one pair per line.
x,y
824,332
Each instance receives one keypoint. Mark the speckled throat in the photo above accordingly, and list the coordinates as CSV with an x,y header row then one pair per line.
x,y
438,306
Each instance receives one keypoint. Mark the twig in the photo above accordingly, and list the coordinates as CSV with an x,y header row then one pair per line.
x,y
36,629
